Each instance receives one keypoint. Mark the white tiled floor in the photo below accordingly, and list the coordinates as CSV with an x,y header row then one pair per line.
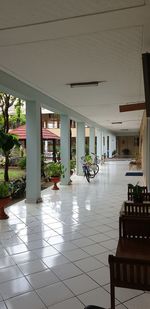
x,y
54,254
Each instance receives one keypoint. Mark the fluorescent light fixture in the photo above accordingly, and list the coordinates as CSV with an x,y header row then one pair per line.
x,y
86,84
117,122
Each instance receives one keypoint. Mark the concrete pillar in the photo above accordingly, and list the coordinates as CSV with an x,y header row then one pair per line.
x,y
92,140
103,146
65,147
148,155
80,146
99,143
46,146
33,139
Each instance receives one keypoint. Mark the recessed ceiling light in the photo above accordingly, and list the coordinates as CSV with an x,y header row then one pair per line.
x,y
86,84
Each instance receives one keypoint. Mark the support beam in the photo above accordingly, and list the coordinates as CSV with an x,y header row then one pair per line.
x,y
33,133
65,147
80,146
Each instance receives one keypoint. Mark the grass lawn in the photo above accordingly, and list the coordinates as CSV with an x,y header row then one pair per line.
x,y
14,173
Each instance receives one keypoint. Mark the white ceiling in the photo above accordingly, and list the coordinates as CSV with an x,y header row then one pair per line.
x,y
50,43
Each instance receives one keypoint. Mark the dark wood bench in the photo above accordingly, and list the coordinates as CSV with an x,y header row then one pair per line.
x,y
130,267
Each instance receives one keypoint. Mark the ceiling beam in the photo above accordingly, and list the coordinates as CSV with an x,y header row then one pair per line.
x,y
132,107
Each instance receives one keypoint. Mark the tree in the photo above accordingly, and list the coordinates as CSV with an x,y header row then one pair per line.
x,y
18,105
7,141
6,101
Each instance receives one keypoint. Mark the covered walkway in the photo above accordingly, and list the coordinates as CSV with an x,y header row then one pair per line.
x,y
54,254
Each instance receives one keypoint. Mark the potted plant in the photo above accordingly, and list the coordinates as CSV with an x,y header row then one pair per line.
x,y
54,170
136,192
4,199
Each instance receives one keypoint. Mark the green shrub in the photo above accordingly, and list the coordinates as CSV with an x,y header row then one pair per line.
x,y
4,190
22,163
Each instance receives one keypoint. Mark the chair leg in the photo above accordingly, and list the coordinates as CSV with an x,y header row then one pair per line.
x,y
112,293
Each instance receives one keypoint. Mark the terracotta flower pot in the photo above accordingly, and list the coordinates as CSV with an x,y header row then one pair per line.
x,y
4,202
55,180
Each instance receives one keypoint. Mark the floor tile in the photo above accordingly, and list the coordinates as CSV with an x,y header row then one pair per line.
x,y
97,297
66,246
123,294
72,303
54,294
46,251
101,275
14,287
24,257
80,284
103,257
37,244
10,273
68,270
89,263
2,305
94,249
99,237
32,267
26,301
75,255
16,249
42,278
142,301
110,244
54,260
6,261
83,242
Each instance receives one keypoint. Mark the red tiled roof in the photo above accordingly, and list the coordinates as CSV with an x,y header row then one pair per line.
x,y
21,133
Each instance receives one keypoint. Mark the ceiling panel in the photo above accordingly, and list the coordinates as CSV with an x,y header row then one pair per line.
x,y
37,11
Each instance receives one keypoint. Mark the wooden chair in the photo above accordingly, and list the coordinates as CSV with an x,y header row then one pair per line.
x,y
128,273
130,192
130,268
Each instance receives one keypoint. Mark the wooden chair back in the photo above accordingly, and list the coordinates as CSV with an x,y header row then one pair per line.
x,y
130,192
135,209
128,273
134,227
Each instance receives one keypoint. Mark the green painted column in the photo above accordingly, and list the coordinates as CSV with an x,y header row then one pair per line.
x,y
99,143
65,147
92,140
33,139
80,146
